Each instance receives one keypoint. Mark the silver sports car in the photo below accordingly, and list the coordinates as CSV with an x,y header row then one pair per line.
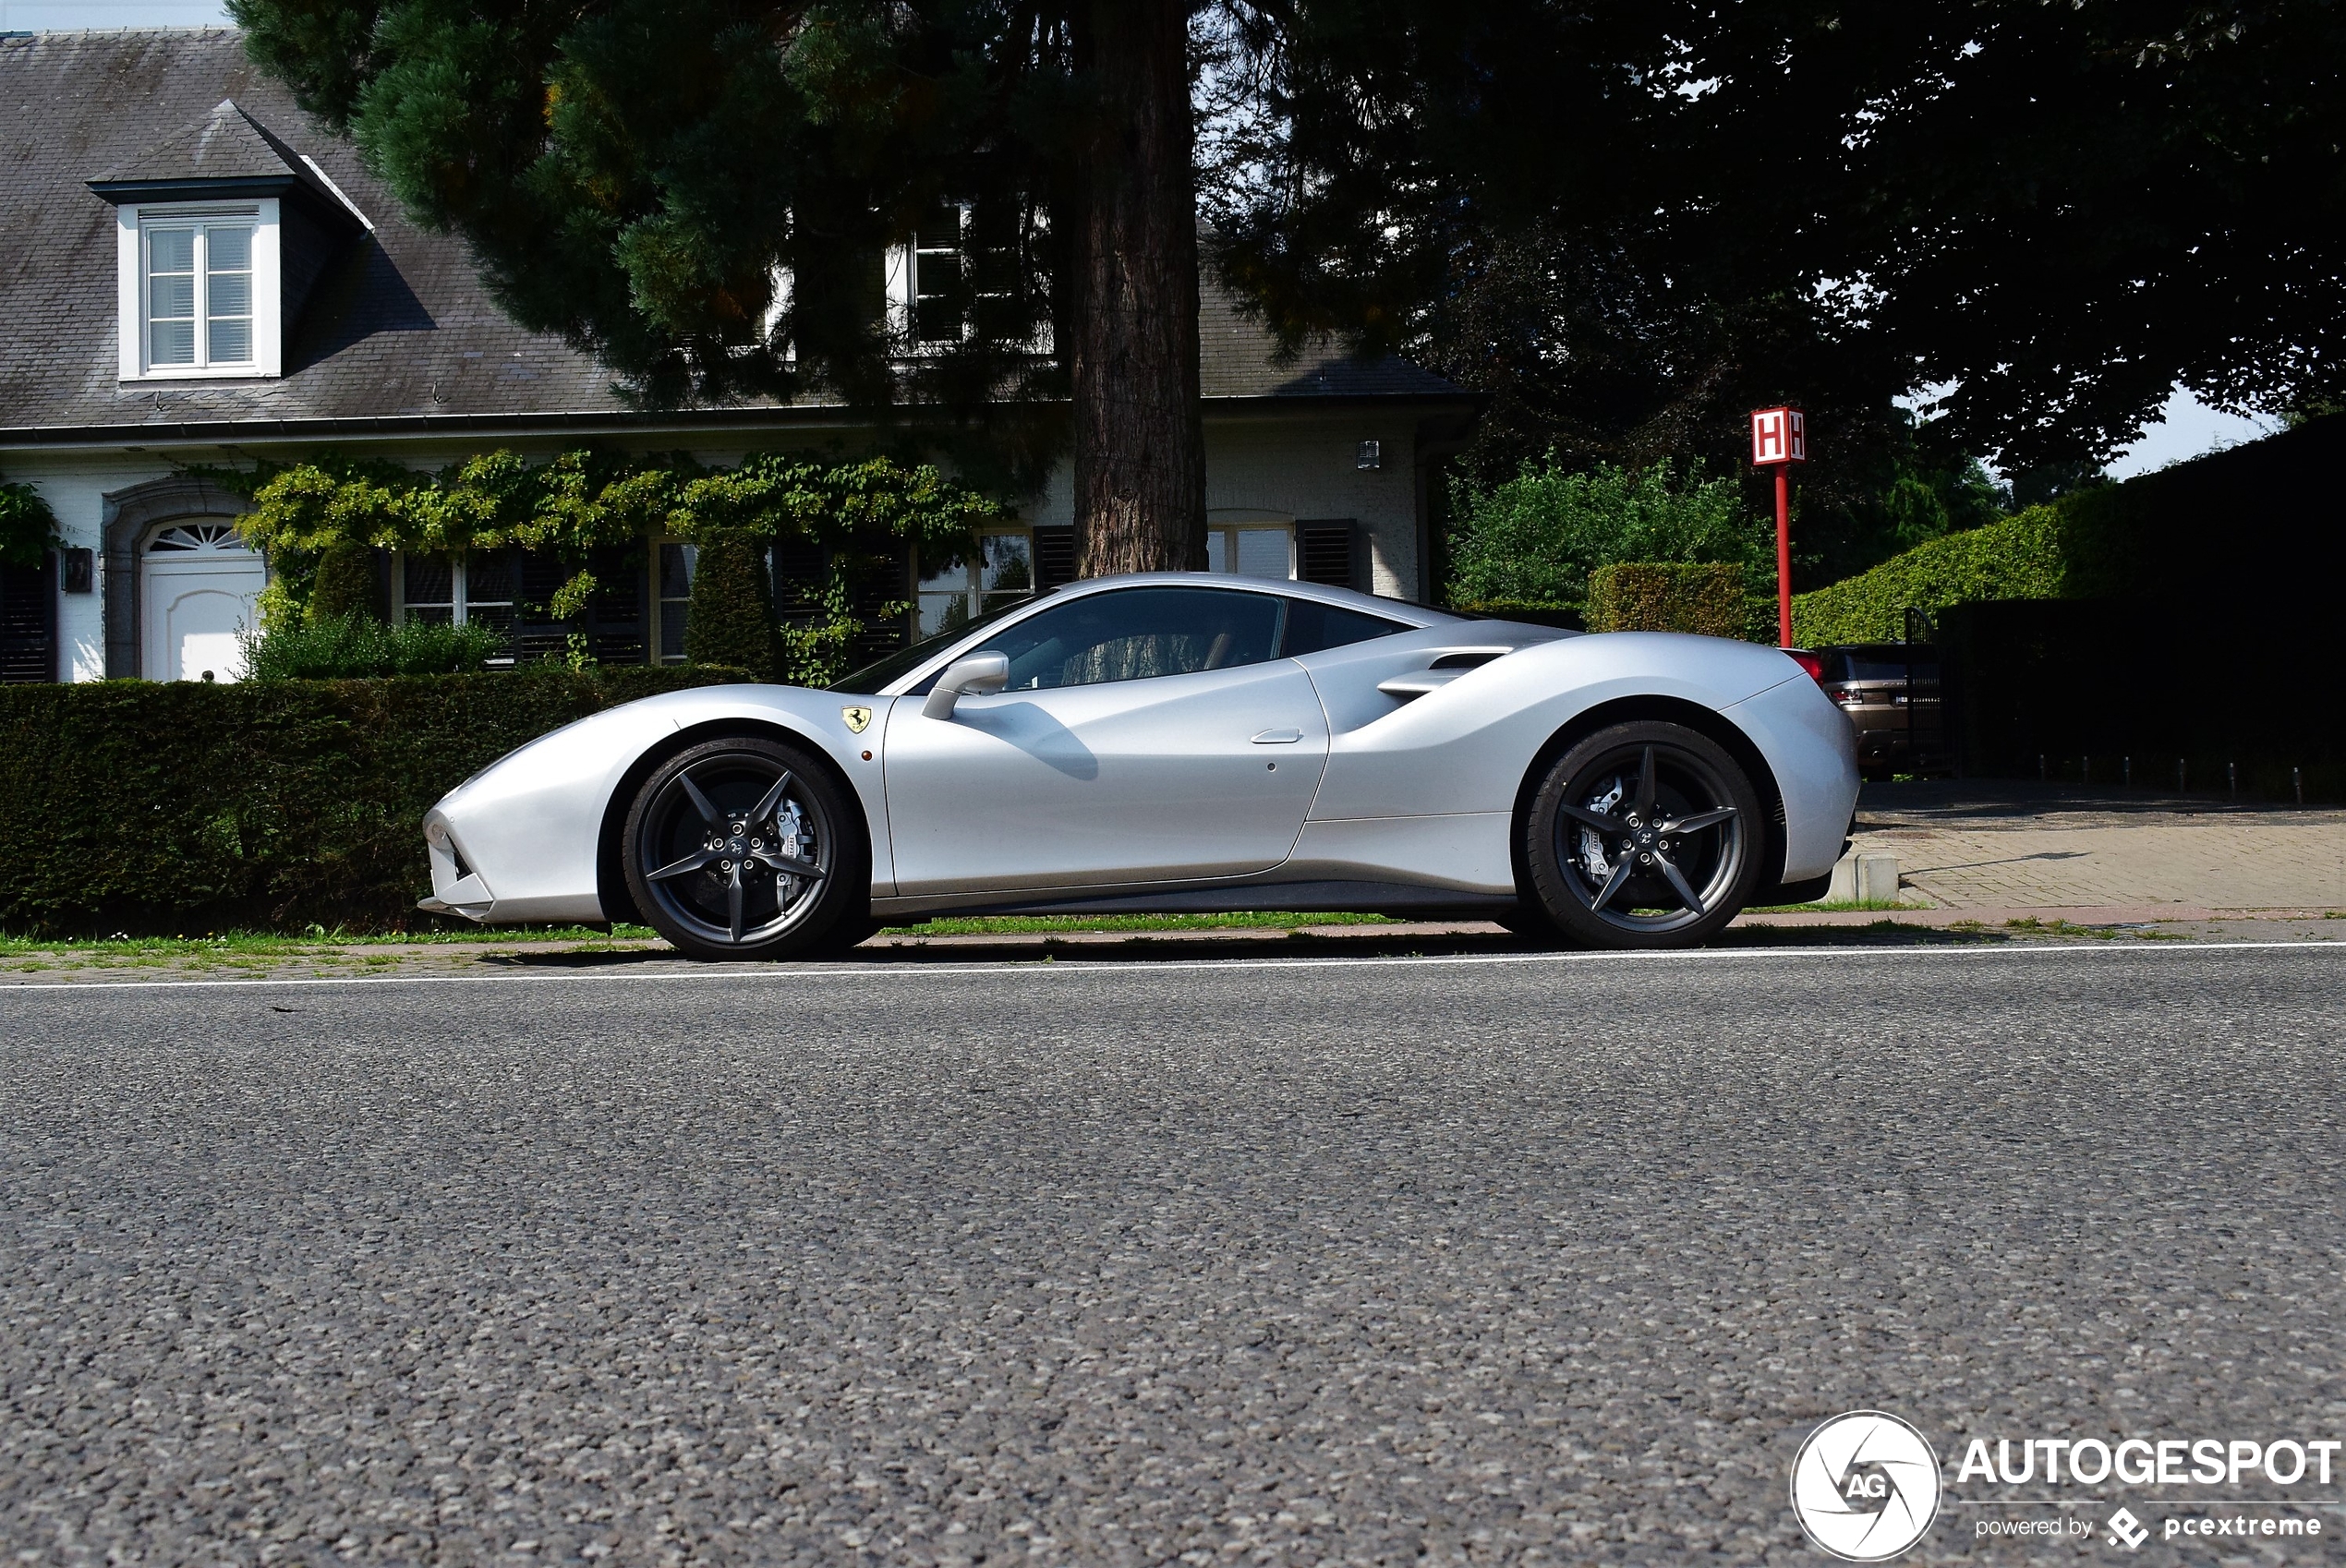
x,y
1180,742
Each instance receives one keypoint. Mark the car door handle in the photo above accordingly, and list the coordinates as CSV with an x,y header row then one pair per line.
x,y
1278,737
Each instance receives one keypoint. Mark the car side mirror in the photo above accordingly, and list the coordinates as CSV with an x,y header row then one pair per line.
x,y
976,675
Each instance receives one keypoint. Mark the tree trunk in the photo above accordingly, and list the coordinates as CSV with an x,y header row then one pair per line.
x,y
1139,446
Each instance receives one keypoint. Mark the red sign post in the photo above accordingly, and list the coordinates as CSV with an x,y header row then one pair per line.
x,y
1779,440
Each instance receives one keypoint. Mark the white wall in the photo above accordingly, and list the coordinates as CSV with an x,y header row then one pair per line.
x,y
1303,465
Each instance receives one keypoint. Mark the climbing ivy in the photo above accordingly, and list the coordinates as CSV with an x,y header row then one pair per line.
x,y
858,513
28,528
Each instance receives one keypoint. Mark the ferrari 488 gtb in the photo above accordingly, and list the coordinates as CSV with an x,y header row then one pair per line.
x,y
1179,742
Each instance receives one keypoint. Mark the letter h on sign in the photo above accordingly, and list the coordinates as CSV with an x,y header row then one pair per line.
x,y
1778,435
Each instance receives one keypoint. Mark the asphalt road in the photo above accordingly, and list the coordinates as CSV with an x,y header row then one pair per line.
x,y
1503,1260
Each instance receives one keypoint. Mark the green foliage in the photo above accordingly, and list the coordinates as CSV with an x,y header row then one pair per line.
x,y
857,514
354,645
167,807
732,619
1535,539
1649,595
346,584
28,528
2027,557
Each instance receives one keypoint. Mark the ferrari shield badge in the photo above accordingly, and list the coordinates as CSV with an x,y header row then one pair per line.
x,y
857,718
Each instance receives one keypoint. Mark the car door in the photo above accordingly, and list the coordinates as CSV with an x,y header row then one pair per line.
x,y
1147,734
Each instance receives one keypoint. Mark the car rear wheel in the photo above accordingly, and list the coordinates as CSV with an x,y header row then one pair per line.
x,y
1644,835
745,849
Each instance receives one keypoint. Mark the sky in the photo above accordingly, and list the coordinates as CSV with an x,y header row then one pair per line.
x,y
2186,427
44,15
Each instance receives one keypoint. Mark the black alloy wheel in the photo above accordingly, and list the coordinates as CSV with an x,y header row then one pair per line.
x,y
745,849
1645,834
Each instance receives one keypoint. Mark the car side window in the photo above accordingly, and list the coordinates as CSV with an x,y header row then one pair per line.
x,y
1137,634
1312,626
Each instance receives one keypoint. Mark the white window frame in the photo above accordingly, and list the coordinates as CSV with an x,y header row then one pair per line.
x,y
1229,527
969,591
132,219
900,265
459,602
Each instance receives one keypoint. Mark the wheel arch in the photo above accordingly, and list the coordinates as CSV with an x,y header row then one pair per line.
x,y
1707,721
610,874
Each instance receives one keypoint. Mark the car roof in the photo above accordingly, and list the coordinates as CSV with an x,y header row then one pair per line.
x,y
1411,615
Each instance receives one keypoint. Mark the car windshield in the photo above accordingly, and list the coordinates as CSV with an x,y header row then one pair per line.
x,y
903,661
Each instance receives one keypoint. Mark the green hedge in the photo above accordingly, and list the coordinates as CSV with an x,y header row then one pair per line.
x,y
2021,558
1662,595
176,808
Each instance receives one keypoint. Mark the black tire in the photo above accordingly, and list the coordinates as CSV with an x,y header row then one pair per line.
x,y
1620,793
745,849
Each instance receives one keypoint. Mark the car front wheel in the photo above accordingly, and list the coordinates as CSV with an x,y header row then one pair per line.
x,y
1644,835
745,849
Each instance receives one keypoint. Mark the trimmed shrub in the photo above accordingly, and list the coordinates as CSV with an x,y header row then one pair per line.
x,y
355,645
167,808
1535,539
346,584
2027,557
731,621
1651,596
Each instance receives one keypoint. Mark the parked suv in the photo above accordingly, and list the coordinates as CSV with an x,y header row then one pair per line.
x,y
1891,693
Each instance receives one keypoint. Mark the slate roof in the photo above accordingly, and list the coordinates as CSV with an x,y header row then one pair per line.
x,y
398,335
226,144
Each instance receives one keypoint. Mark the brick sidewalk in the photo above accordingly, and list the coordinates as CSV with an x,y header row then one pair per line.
x,y
1971,844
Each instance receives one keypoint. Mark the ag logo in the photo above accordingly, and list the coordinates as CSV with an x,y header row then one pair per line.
x,y
858,718
1865,1486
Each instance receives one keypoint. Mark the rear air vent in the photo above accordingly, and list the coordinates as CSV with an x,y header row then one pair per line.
x,y
1467,658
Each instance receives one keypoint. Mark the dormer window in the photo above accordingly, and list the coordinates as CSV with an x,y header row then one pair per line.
x,y
201,296
221,229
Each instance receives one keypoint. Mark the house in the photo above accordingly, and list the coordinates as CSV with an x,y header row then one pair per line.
x,y
198,274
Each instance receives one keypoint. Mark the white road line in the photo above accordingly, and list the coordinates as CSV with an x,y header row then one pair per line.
x,y
1143,966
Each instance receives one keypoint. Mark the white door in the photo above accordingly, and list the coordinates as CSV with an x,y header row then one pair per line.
x,y
1148,734
199,587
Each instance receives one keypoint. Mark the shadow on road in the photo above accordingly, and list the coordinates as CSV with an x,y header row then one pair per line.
x,y
1146,949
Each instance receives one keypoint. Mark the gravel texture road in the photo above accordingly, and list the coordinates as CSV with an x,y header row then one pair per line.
x,y
1494,1259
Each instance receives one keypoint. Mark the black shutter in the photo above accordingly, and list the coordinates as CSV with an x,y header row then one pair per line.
x,y
1329,552
880,576
1053,559
800,568
28,622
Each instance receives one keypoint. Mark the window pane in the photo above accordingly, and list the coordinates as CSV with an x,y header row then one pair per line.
x,y
231,294
170,250
173,342
1136,634
945,573
231,249
1312,626
1262,552
489,577
677,563
173,299
940,229
1006,564
941,613
231,342
1217,541
429,580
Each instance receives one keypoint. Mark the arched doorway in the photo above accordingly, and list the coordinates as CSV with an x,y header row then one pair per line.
x,y
200,585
